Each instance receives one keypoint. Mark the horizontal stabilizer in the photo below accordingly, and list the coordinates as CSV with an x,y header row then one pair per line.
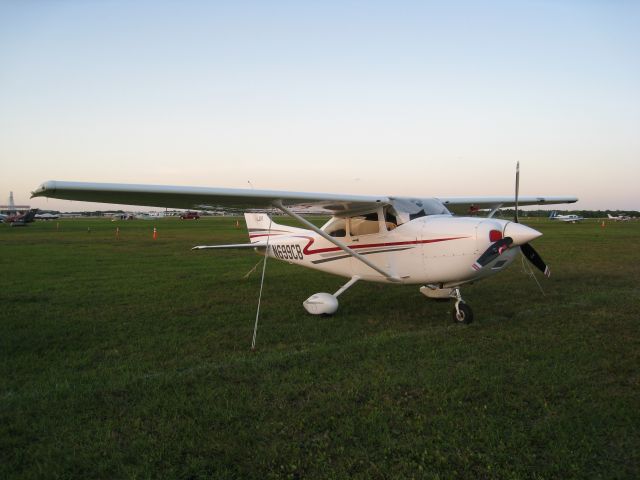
x,y
237,245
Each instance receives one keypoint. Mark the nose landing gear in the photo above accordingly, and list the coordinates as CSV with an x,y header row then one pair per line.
x,y
462,312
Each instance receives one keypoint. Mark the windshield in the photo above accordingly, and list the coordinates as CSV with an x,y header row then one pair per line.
x,y
412,208
400,211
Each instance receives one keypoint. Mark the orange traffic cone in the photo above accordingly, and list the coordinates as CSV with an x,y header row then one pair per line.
x,y
155,233
602,224
237,223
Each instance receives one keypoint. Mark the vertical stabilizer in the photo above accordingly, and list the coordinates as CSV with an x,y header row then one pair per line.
x,y
30,216
258,221
261,226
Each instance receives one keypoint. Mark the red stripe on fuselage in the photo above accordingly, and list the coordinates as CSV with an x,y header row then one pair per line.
x,y
307,251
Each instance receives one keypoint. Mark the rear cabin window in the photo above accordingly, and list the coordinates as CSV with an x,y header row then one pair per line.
x,y
336,227
364,224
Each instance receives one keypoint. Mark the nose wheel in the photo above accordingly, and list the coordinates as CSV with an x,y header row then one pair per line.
x,y
462,312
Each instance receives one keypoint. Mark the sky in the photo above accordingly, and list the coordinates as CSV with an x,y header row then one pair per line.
x,y
388,98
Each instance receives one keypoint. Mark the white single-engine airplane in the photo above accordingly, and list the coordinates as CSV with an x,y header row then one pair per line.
x,y
619,218
571,218
384,239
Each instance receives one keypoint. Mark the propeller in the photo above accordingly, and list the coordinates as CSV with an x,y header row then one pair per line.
x,y
530,254
527,250
522,235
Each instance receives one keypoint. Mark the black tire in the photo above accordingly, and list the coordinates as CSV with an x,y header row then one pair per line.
x,y
465,316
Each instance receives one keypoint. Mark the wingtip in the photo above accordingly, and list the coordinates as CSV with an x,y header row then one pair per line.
x,y
43,189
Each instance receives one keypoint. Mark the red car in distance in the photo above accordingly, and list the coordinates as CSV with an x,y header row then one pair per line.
x,y
190,216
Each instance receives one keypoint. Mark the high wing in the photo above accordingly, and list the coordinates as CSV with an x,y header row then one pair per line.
x,y
469,205
202,198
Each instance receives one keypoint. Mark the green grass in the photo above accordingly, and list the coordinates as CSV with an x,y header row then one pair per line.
x,y
130,359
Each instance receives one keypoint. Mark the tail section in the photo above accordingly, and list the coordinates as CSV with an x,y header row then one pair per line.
x,y
261,226
553,214
30,216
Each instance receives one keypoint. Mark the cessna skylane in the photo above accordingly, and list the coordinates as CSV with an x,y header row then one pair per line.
x,y
386,239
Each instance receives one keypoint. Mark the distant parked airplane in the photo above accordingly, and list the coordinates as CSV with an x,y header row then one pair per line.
x,y
47,216
20,219
565,218
619,218
11,209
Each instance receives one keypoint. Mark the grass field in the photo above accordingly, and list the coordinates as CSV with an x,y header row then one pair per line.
x,y
130,358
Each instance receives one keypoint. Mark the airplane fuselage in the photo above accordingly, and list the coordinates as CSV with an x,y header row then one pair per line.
x,y
438,249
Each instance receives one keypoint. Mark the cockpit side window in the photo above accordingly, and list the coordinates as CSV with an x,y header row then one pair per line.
x,y
391,219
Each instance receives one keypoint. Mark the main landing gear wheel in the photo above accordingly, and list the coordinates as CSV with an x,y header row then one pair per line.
x,y
462,313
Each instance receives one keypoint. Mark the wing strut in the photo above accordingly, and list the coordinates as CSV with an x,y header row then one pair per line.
x,y
336,242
